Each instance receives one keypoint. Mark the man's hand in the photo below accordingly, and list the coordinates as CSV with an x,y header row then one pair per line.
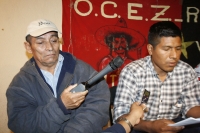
x,y
136,113
72,100
161,126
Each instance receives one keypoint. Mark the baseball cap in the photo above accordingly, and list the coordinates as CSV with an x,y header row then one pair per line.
x,y
41,26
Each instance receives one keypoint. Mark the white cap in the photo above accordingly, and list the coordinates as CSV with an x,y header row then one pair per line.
x,y
40,27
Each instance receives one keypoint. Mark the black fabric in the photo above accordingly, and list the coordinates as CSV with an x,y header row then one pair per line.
x,y
191,31
112,98
193,55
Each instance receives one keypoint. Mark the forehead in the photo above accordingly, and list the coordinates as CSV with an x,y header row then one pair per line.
x,y
170,41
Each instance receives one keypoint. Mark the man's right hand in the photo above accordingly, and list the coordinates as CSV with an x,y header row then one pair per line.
x,y
157,126
161,126
72,100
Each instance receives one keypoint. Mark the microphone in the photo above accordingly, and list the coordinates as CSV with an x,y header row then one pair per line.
x,y
114,64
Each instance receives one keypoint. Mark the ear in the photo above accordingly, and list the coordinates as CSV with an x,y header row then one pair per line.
x,y
28,47
150,49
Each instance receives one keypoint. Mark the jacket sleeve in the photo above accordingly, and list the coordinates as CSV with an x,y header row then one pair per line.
x,y
93,113
26,116
116,128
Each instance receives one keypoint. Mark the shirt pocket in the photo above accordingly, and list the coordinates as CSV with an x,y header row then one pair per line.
x,y
175,110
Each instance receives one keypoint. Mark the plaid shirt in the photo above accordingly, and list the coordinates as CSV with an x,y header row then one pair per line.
x,y
176,95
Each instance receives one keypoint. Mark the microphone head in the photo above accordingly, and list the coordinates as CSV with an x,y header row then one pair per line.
x,y
116,62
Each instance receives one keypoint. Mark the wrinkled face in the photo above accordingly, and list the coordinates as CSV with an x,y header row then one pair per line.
x,y
166,54
45,49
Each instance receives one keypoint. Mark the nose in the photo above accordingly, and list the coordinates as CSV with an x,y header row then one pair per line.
x,y
173,53
48,46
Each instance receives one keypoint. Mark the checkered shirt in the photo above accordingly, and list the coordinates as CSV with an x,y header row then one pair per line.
x,y
176,95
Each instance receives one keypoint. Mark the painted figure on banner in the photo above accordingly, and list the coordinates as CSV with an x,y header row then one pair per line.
x,y
121,41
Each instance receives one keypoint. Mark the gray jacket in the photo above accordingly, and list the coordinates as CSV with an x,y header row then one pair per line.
x,y
32,107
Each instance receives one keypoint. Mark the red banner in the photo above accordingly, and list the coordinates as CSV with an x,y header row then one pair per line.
x,y
96,31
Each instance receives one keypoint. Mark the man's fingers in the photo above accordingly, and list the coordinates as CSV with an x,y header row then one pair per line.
x,y
71,87
137,103
175,129
79,93
143,106
80,98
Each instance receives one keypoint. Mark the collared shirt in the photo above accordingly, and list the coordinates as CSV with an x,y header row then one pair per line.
x,y
197,70
52,80
177,94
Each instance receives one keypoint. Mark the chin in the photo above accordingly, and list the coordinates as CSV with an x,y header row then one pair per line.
x,y
170,69
51,61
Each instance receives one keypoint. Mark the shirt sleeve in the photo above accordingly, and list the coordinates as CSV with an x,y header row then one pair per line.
x,y
125,93
191,92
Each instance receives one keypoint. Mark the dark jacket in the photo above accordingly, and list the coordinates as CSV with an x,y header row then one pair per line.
x,y
32,107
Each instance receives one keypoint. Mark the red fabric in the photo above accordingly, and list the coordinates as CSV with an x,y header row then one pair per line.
x,y
86,23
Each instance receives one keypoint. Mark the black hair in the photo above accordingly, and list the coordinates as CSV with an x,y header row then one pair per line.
x,y
109,37
28,38
162,29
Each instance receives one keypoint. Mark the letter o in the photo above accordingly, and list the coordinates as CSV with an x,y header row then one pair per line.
x,y
80,13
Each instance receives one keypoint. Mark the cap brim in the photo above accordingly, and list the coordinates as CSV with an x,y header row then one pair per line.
x,y
43,31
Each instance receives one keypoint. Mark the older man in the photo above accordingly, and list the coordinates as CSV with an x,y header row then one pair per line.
x,y
39,97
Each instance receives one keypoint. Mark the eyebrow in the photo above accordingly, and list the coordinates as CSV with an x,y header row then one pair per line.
x,y
171,46
39,37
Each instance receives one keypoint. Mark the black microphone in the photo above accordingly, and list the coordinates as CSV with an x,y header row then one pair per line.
x,y
114,64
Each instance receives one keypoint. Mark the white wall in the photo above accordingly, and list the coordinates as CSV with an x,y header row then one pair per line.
x,y
15,15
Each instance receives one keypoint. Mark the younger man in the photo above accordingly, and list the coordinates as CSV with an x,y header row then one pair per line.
x,y
172,84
